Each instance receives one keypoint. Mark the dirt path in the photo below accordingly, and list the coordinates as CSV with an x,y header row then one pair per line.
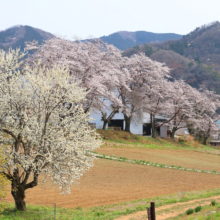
x,y
172,210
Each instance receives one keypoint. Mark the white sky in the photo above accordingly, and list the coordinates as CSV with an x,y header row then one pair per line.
x,y
85,18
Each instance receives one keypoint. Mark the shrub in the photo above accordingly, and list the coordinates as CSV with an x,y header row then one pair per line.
x,y
198,208
189,211
182,139
213,203
128,211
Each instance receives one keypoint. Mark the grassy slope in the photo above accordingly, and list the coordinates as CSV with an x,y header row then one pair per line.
x,y
124,139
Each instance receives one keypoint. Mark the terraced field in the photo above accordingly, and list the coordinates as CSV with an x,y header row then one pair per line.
x,y
177,157
112,182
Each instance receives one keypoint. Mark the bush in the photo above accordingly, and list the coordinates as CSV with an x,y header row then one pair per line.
x,y
198,208
182,139
189,211
213,203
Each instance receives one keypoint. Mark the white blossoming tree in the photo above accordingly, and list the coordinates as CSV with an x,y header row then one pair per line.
x,y
45,135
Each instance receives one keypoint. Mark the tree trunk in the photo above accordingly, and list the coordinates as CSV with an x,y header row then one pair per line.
x,y
20,203
104,124
127,123
173,133
153,126
106,119
205,140
154,134
18,188
18,192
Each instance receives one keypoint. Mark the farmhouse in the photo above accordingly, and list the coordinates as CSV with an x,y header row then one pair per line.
x,y
139,127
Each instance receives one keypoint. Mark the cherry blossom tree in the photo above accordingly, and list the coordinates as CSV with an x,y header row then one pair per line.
x,y
45,134
108,106
179,106
107,109
146,76
94,64
155,101
187,106
207,104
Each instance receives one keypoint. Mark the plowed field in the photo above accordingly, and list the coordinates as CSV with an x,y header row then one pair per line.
x,y
177,157
110,182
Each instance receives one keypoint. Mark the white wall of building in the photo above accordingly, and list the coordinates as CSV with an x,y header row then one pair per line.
x,y
135,127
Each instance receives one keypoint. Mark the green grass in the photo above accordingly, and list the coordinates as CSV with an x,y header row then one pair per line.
x,y
207,213
102,212
123,139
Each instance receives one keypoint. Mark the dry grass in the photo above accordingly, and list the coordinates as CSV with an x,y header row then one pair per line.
x,y
135,141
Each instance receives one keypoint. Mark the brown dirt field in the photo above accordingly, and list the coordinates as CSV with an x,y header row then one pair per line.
x,y
110,182
177,157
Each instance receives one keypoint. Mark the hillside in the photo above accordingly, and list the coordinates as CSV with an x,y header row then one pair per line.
x,y
194,58
202,45
16,36
125,39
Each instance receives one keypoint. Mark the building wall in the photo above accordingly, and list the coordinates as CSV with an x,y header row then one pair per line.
x,y
180,131
136,128
163,131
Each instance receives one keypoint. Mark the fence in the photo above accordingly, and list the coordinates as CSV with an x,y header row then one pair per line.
x,y
151,212
114,128
94,126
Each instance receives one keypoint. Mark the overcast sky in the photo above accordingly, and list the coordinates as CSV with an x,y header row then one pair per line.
x,y
96,18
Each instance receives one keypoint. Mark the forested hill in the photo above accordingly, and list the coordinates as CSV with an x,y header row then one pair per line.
x,y
16,36
202,45
124,39
194,58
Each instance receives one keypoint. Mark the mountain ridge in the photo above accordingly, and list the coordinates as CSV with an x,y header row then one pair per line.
x,y
126,39
17,35
194,58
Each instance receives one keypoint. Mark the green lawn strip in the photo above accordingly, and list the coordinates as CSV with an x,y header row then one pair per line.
x,y
148,163
102,212
207,213
136,141
161,145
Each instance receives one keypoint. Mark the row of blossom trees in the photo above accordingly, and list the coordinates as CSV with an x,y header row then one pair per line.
x,y
131,86
45,101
